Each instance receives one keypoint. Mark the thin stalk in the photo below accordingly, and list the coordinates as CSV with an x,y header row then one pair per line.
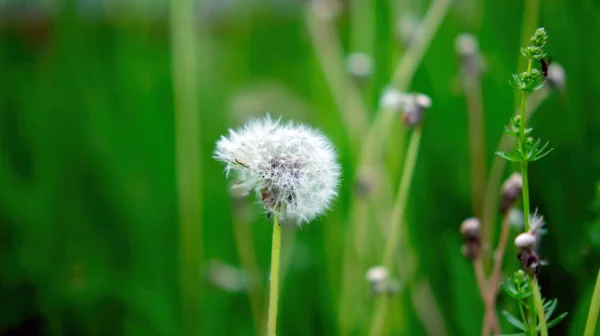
x,y
590,325
492,294
539,306
346,95
492,188
362,26
427,309
532,315
397,225
472,85
403,75
274,284
531,13
489,318
187,140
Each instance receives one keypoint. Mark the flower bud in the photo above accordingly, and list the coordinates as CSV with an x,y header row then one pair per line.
x,y
392,100
466,45
360,65
470,227
415,110
471,231
525,240
511,190
378,278
377,273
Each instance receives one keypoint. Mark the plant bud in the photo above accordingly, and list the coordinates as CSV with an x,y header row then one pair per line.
x,y
511,190
525,240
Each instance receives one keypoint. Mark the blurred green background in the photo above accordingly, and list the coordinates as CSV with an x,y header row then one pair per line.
x,y
90,226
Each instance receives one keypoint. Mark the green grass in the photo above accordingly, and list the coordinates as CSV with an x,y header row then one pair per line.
x,y
89,225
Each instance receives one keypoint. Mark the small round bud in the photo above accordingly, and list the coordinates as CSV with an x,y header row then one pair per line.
x,y
415,110
556,76
377,274
466,45
407,29
470,227
525,240
393,100
422,101
360,64
511,190
539,38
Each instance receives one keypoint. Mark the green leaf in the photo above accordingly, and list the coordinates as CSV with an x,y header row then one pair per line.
x,y
515,322
519,334
557,320
509,288
507,156
549,308
540,156
525,295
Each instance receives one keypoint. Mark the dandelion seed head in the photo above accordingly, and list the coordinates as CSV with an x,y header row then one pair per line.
x,y
293,168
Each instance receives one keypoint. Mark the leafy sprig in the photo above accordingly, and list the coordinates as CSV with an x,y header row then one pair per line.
x,y
517,287
528,149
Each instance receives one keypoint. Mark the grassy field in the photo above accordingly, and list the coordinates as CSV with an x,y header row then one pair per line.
x,y
116,220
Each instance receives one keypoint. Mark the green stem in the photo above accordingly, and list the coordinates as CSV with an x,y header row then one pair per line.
x,y
524,163
330,56
590,325
187,140
532,315
273,289
506,143
539,306
525,194
396,226
536,305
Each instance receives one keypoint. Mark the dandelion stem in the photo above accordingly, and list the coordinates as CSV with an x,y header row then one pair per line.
x,y
396,231
274,282
590,325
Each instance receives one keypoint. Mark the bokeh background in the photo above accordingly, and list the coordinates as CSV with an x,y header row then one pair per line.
x,y
115,219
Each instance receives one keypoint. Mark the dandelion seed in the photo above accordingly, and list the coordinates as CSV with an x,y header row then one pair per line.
x,y
292,167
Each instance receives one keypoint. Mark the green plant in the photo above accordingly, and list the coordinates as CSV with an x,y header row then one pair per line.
x,y
529,150
518,287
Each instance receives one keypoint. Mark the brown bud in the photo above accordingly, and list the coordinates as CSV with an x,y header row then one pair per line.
x,y
511,190
471,230
415,110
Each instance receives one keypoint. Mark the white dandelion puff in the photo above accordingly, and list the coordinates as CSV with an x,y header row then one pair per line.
x,y
293,168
